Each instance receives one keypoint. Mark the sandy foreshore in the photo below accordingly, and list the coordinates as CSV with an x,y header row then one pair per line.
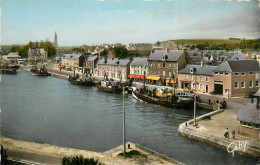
x,y
51,154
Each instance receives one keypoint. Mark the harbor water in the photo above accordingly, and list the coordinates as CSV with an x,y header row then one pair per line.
x,y
53,111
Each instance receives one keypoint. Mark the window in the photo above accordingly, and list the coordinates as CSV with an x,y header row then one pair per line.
x,y
257,83
163,65
151,71
186,76
251,84
191,77
201,78
170,74
226,74
251,73
227,91
221,73
154,72
243,73
242,84
236,74
174,65
163,73
193,85
207,78
170,65
159,65
249,124
201,86
154,64
257,125
151,65
216,73
159,72
236,85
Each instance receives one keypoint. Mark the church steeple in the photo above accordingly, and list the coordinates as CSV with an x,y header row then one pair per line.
x,y
55,39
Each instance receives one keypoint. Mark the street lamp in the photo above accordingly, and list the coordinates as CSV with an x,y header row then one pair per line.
x,y
124,138
192,71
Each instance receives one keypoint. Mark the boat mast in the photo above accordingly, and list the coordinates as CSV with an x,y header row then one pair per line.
x,y
144,80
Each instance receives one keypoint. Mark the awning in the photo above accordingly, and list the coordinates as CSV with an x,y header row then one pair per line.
x,y
67,67
136,76
153,78
61,66
171,81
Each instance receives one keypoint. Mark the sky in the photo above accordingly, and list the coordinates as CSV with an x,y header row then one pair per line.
x,y
90,22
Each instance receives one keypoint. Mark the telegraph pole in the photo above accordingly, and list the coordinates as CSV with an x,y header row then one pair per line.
x,y
124,119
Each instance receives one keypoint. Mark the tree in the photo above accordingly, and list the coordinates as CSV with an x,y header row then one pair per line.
x,y
158,43
104,52
78,50
120,52
14,48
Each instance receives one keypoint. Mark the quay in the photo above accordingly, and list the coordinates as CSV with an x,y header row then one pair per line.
x,y
212,131
18,150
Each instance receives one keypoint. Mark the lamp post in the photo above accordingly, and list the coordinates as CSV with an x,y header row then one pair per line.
x,y
192,71
124,139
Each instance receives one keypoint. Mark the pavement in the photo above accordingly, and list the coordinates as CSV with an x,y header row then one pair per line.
x,y
50,154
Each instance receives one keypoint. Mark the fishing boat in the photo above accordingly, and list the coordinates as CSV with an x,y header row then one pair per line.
x,y
107,86
163,98
80,80
8,71
40,72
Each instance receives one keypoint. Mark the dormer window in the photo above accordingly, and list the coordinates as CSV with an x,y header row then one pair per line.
x,y
165,57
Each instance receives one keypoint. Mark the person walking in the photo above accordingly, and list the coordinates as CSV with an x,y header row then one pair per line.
x,y
233,134
209,101
226,133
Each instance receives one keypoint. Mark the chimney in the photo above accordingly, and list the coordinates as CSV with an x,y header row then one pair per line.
x,y
202,63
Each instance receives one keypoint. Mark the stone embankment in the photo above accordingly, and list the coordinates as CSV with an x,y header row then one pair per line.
x,y
212,131
50,154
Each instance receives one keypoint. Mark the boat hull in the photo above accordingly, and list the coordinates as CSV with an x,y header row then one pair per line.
x,y
171,104
109,90
38,73
81,83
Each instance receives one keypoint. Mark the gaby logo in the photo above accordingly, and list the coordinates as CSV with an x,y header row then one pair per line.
x,y
232,147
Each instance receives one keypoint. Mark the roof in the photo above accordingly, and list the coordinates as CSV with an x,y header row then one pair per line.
x,y
13,55
157,55
223,67
196,59
200,70
249,114
73,56
121,62
34,52
92,58
238,66
139,61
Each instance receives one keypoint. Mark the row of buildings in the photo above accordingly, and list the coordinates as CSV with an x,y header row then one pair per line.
x,y
176,68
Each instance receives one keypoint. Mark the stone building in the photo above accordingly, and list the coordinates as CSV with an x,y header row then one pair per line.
x,y
13,57
138,68
249,117
70,61
236,78
114,68
37,56
164,65
90,65
202,75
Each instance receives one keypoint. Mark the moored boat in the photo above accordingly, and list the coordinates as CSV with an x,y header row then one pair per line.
x,y
40,72
107,86
80,80
8,71
166,99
